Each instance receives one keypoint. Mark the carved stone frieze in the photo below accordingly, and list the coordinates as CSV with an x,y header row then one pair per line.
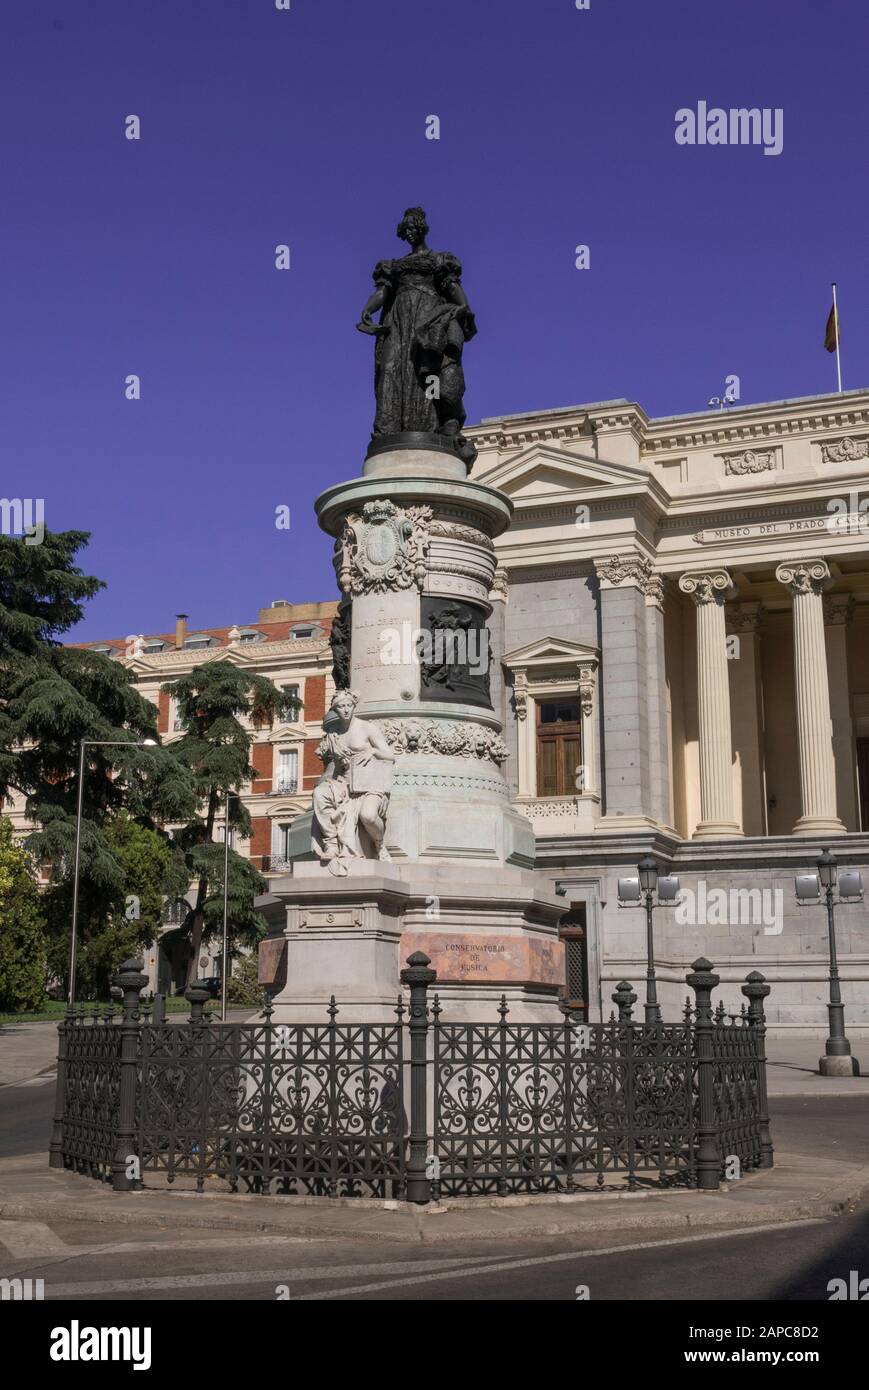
x,y
457,531
450,738
749,461
845,450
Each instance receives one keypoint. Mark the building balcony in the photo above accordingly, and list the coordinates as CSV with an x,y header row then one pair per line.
x,y
276,864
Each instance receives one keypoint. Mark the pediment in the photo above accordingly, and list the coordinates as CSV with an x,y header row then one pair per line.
x,y
542,473
549,652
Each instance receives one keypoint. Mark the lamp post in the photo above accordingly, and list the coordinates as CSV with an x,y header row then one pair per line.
x,y
223,967
837,1059
88,743
646,886
648,872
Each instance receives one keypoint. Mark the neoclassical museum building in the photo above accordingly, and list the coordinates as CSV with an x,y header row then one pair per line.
x,y
680,643
684,635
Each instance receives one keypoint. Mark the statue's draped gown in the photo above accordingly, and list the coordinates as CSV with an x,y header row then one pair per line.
x,y
427,331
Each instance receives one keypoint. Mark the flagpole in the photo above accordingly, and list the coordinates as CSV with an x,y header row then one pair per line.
x,y
836,321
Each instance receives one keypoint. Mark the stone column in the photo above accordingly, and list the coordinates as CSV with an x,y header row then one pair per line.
x,y
744,621
658,704
627,751
807,581
717,819
838,613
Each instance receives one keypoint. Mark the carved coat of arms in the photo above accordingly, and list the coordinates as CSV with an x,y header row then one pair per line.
x,y
383,548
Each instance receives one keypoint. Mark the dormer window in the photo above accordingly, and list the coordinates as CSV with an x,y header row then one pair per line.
x,y
149,648
250,635
197,641
298,633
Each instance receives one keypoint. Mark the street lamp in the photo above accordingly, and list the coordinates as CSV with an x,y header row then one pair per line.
x,y
837,1059
223,968
647,885
89,743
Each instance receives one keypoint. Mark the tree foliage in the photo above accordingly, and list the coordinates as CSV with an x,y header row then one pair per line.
x,y
51,698
212,701
22,928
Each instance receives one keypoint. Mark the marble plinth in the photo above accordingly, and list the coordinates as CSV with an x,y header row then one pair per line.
x,y
486,933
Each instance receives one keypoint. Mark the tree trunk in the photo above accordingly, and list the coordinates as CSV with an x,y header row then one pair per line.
x,y
201,894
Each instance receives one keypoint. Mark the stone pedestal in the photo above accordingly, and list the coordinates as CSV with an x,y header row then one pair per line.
x,y
839,1066
486,935
415,557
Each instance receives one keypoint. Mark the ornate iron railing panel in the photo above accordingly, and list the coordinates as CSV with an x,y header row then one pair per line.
x,y
92,1079
540,1107
735,1084
296,1109
495,1108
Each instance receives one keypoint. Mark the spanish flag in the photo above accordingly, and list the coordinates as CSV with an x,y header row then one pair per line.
x,y
831,335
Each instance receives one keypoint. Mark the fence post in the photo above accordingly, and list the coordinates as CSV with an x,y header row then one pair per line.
x,y
131,981
755,990
418,976
197,997
703,981
624,999
55,1148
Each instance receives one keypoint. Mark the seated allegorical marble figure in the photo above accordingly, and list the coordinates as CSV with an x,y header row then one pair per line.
x,y
351,798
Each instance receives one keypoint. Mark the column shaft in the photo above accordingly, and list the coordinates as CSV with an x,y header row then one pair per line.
x,y
806,582
717,817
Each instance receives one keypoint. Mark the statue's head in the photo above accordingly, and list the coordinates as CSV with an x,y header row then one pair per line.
x,y
344,702
413,227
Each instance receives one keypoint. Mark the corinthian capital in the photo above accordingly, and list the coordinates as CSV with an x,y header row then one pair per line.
x,y
804,576
709,586
635,570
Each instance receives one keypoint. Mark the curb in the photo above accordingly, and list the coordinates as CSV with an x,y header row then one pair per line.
x,y
404,1223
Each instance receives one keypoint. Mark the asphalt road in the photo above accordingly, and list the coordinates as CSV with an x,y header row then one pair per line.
x,y
793,1262
130,1264
26,1110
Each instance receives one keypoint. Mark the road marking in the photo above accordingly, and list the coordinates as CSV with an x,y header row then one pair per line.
x,y
458,1267
554,1259
246,1276
204,1244
30,1238
40,1080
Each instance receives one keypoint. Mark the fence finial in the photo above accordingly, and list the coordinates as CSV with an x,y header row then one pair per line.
x,y
624,998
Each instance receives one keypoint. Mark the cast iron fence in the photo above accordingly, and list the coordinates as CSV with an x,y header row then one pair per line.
x,y
494,1108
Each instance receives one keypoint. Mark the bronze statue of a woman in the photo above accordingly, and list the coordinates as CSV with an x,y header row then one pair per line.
x,y
425,323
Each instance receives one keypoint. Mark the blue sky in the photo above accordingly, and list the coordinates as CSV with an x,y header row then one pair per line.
x,y
262,127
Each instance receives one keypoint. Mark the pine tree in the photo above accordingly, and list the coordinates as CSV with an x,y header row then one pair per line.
x,y
150,869
212,701
53,696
